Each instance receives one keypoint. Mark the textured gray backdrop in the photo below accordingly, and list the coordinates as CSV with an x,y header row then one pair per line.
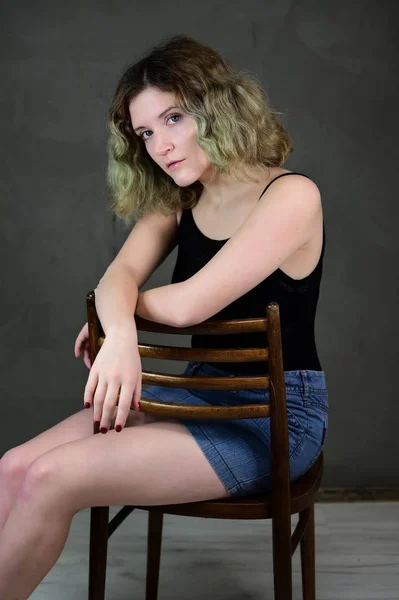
x,y
330,67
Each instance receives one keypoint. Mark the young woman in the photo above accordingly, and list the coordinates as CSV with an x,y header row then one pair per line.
x,y
196,158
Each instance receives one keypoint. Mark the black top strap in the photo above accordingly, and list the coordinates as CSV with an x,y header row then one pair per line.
x,y
278,177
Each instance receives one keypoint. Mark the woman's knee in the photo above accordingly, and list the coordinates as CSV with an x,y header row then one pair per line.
x,y
13,466
38,479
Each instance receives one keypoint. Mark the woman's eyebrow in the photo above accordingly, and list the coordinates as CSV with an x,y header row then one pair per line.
x,y
160,117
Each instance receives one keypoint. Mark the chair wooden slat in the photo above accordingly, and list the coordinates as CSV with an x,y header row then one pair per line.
x,y
193,411
197,354
221,327
251,382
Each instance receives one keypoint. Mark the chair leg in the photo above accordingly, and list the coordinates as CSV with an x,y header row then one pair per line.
x,y
308,558
282,558
99,516
155,522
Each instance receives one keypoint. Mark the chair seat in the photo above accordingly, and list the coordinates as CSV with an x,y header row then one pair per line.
x,y
258,506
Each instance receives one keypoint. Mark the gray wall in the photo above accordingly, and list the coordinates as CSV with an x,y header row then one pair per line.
x,y
330,67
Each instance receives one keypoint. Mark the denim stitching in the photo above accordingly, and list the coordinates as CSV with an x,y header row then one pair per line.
x,y
297,423
312,460
298,447
215,447
257,479
310,389
318,451
268,474
318,405
159,400
304,434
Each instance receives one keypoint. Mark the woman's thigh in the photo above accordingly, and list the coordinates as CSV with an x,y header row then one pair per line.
x,y
158,463
76,427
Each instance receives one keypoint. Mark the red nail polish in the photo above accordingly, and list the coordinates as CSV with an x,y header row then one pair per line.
x,y
87,405
118,428
97,423
103,430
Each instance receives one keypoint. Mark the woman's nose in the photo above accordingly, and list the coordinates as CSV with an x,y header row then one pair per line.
x,y
162,144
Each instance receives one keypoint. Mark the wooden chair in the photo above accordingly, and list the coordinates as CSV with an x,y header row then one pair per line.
x,y
286,498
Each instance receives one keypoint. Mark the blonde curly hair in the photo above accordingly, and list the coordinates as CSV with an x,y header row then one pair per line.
x,y
237,127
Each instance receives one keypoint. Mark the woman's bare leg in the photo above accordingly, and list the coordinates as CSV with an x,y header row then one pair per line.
x,y
15,463
158,463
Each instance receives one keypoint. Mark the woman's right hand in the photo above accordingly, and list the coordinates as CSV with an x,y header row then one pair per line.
x,y
114,378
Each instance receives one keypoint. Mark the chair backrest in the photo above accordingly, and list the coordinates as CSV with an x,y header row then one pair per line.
x,y
271,352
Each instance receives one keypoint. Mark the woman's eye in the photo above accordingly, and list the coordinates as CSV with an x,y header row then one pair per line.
x,y
170,117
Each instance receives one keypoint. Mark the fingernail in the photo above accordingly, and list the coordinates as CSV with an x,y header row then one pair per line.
x,y
87,405
118,428
103,430
97,423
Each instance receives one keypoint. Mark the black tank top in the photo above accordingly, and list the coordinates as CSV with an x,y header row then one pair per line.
x,y
297,300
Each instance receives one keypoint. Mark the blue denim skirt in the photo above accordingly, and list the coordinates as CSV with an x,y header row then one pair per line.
x,y
239,449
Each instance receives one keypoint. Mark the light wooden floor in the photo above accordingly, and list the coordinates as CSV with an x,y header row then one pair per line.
x,y
357,547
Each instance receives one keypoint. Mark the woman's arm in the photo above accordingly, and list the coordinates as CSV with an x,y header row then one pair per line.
x,y
162,305
116,298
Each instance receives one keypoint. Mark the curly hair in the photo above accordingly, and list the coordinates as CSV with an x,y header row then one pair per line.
x,y
237,127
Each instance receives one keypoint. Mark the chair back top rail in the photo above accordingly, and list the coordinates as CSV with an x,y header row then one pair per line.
x,y
221,327
199,354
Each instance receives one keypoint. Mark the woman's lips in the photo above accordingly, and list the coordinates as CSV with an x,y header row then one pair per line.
x,y
175,164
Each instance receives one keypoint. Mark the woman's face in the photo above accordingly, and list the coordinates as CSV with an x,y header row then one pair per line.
x,y
169,135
